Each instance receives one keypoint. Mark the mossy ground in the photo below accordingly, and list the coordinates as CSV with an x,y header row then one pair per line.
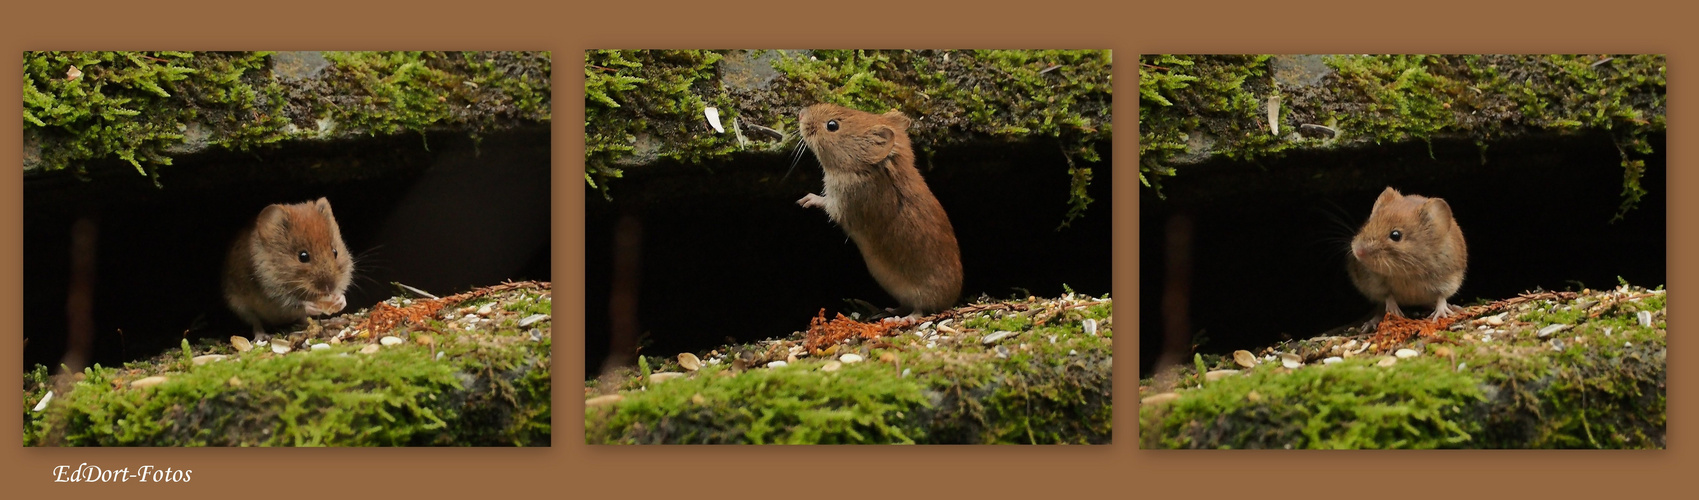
x,y
449,383
1049,382
144,107
1217,105
641,105
1596,382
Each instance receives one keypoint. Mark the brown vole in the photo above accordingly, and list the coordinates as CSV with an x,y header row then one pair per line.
x,y
288,265
873,191
1410,252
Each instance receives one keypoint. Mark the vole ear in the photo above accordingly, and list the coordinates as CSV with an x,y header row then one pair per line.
x,y
881,139
897,119
323,205
1437,212
1388,196
273,220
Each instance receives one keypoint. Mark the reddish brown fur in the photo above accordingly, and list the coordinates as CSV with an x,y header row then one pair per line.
x,y
873,191
265,282
1423,268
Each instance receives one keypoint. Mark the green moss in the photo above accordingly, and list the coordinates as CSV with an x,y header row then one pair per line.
x,y
1598,383
1048,383
638,101
1397,98
143,107
484,386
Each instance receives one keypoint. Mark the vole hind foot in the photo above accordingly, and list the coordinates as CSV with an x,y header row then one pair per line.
x,y
1443,309
812,201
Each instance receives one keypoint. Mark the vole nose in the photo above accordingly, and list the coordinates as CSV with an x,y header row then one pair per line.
x,y
1357,251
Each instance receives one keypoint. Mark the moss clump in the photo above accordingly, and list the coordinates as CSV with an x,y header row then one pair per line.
x,y
483,384
135,106
1598,381
646,104
1047,383
1197,105
144,107
391,92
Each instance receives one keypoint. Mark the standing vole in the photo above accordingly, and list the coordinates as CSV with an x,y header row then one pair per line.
x,y
289,264
1410,252
873,191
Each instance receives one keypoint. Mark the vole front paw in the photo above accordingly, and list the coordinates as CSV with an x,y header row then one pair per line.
x,y
812,201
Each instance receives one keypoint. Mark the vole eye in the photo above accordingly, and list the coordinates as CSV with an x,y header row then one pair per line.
x,y
304,257
831,125
334,253
1396,236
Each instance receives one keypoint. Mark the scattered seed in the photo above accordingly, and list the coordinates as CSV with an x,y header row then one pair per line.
x,y
1645,318
1332,360
280,347
201,360
241,344
1002,352
1245,359
390,340
713,115
777,364
850,358
320,347
832,366
1090,326
993,338
485,310
1214,375
1386,361
1405,353
656,378
603,400
905,372
1551,329
148,382
528,320
1165,397
689,361
369,348
1290,360
43,404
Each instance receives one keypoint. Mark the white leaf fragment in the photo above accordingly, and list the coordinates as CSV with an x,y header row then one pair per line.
x,y
713,115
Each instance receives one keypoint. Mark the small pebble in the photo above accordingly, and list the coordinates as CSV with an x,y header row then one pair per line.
x,y
656,378
1557,345
1052,339
1072,352
1496,319
832,366
484,311
1332,360
1386,361
1645,318
1002,352
850,358
390,340
1090,326
1405,353
536,335
369,348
